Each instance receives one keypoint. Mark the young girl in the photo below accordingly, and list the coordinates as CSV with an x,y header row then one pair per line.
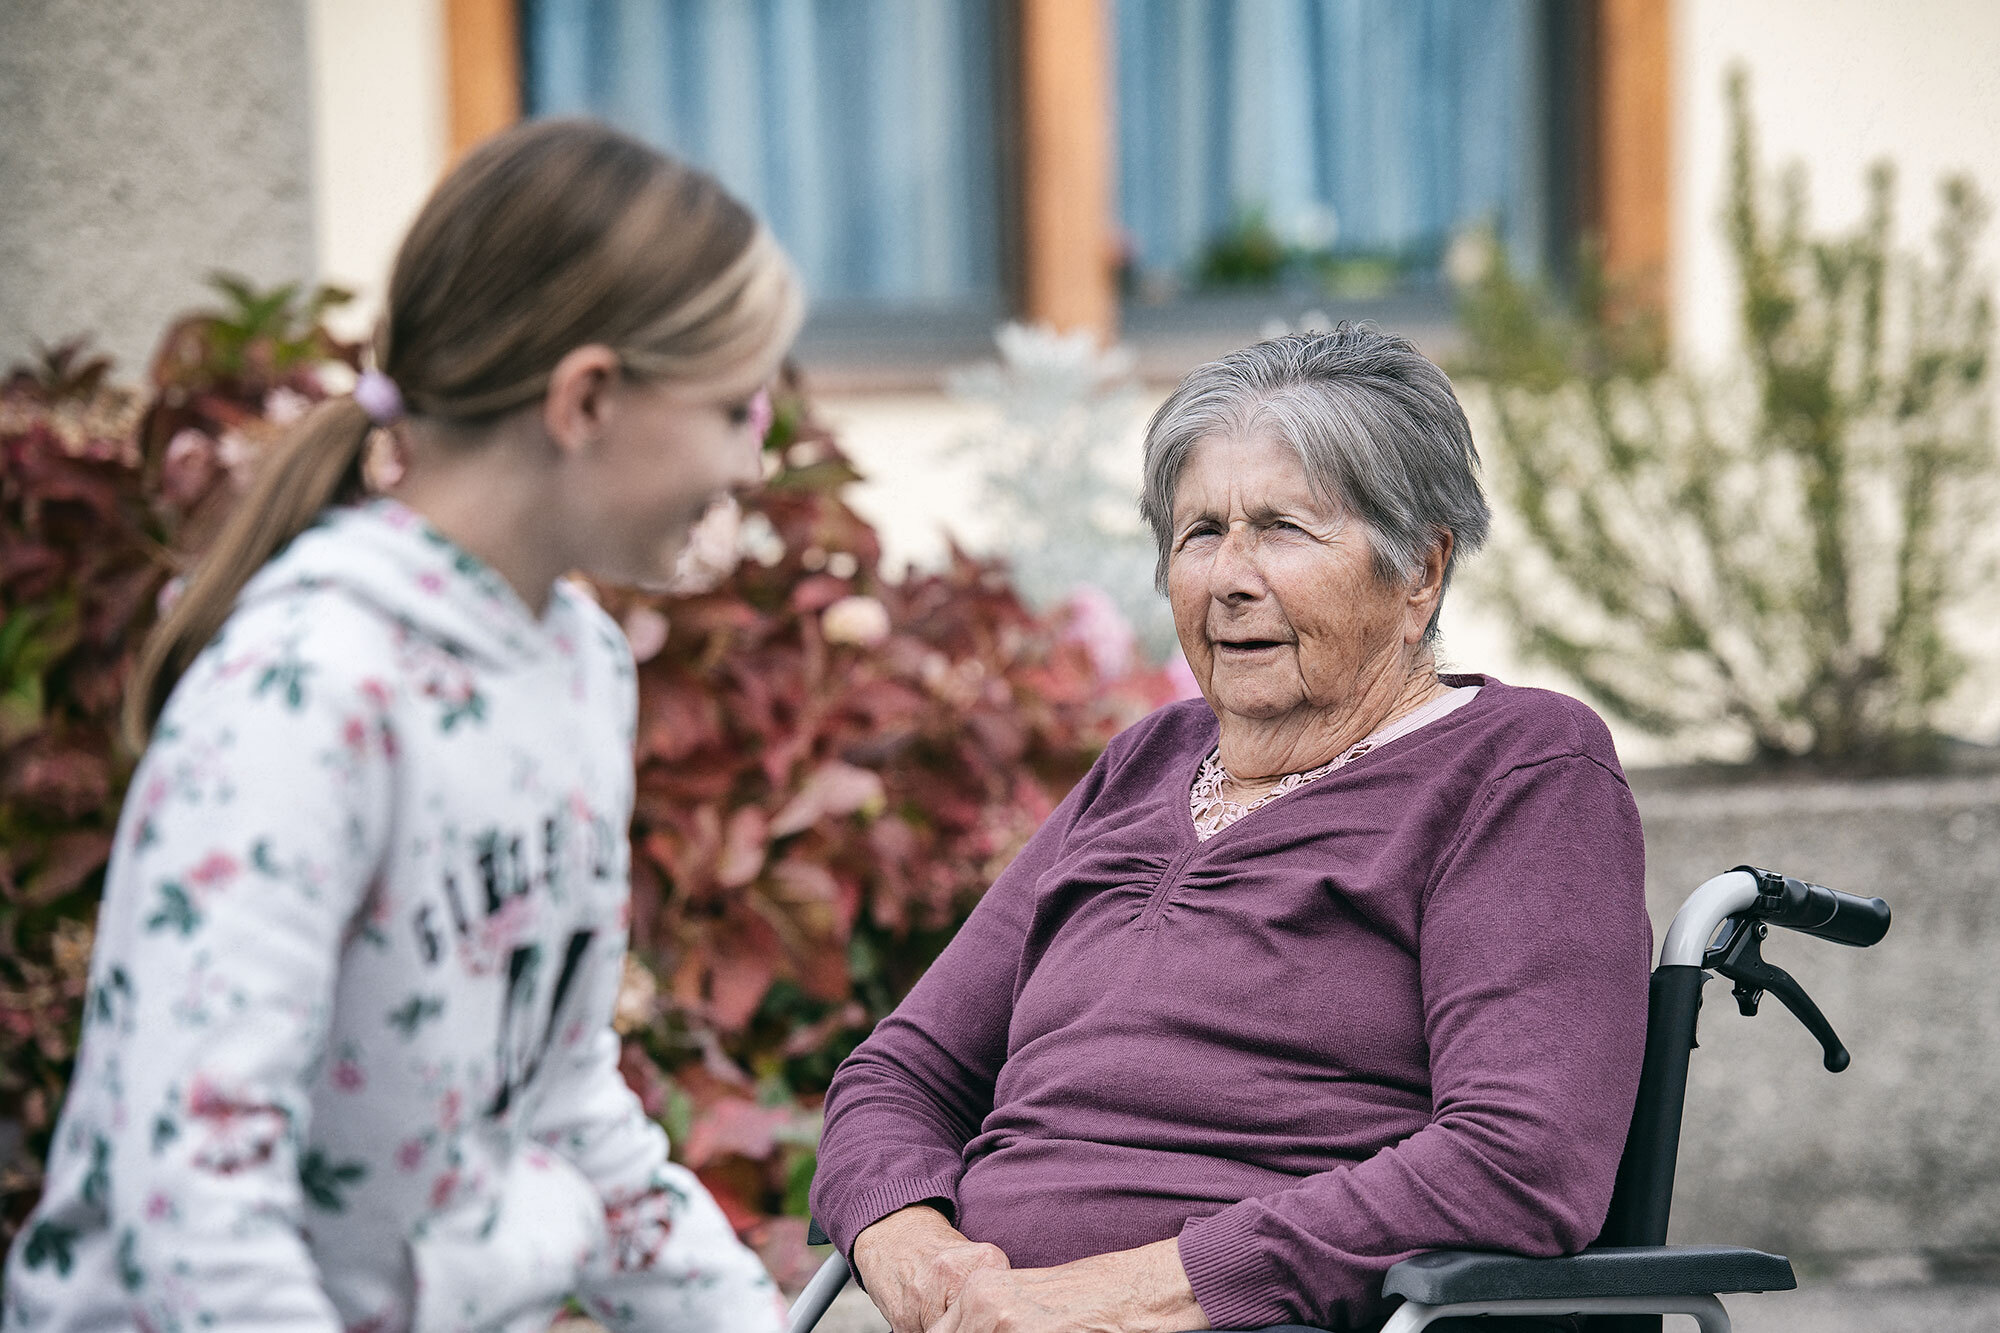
x,y
347,1058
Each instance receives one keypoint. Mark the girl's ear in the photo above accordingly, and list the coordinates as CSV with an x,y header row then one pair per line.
x,y
577,405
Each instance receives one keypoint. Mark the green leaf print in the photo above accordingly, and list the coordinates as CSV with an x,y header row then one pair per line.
x,y
472,706
165,1131
51,1242
177,911
102,1005
262,861
97,1183
323,1181
130,1275
287,674
414,1012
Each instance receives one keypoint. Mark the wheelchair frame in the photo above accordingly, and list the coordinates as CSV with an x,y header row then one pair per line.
x,y
1630,1278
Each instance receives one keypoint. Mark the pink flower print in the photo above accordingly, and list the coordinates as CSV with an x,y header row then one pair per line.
x,y
639,1227
355,735
159,1208
376,693
239,1133
431,582
347,1076
215,870
448,1110
501,932
444,1187
410,1155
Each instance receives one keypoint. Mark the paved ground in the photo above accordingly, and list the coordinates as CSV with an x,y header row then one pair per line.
x,y
1821,1308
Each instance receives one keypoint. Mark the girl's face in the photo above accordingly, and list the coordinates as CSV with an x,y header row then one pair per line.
x,y
664,454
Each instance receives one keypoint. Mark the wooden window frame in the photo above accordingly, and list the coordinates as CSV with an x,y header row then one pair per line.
x,y
1059,142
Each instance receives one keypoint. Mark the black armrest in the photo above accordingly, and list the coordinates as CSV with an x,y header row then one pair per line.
x,y
1452,1277
814,1236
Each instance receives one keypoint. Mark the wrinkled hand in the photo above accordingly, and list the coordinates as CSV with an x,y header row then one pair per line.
x,y
1129,1291
914,1264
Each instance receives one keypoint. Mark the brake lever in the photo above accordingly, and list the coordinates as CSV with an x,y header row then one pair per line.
x,y
1738,956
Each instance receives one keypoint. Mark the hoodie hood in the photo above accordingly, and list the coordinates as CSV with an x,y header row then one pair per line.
x,y
385,554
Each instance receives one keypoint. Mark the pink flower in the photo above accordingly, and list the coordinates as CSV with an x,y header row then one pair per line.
x,y
283,406
347,1076
355,734
410,1154
443,1187
431,581
159,1207
239,455
646,631
188,468
1096,622
170,593
216,869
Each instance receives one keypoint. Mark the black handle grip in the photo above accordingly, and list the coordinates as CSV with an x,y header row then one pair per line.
x,y
1814,909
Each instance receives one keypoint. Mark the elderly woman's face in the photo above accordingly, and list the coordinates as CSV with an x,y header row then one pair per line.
x,y
1274,590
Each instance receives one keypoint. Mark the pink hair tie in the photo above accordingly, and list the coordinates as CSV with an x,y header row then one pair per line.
x,y
761,414
377,395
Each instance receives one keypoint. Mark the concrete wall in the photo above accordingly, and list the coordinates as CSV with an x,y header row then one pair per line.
x,y
1900,1154
378,137
142,145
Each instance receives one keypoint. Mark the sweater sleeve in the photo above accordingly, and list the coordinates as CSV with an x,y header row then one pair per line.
x,y
1533,956
903,1106
255,826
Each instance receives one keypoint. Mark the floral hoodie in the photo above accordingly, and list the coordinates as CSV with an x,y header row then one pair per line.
x,y
347,1059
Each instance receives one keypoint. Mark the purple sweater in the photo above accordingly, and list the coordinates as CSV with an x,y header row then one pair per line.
x,y
1399,1009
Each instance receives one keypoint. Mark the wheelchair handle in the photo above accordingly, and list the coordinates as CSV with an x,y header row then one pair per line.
x,y
1814,909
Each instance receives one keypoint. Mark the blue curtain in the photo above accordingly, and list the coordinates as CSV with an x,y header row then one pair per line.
x,y
1391,123
862,129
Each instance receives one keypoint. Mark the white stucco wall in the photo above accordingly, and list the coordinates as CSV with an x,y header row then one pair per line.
x,y
1835,85
142,145
379,136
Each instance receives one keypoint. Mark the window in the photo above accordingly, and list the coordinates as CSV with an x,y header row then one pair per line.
x,y
1331,149
863,130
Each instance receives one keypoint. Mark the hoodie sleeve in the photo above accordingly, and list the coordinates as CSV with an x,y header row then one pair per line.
x,y
253,830
673,1260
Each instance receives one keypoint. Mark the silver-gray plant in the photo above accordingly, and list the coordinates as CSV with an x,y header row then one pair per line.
x,y
1052,470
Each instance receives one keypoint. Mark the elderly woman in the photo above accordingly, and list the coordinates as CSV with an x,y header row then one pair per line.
x,y
1343,962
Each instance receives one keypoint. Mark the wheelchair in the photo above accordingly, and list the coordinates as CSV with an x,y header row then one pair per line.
x,y
1629,1278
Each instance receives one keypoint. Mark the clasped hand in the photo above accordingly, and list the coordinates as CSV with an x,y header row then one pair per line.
x,y
927,1277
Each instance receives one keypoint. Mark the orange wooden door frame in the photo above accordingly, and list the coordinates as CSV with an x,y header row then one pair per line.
x,y
1068,279
483,69
1633,110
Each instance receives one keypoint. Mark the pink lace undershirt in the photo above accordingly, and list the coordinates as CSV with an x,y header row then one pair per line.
x,y
1213,812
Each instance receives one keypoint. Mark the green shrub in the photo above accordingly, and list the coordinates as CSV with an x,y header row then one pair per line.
x,y
1770,556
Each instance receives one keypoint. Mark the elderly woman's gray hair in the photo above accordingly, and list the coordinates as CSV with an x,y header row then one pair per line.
x,y
1376,426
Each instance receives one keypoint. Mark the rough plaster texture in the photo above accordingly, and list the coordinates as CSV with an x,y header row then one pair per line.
x,y
1900,1154
142,145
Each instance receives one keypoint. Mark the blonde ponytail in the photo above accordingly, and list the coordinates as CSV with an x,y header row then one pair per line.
x,y
317,463
548,236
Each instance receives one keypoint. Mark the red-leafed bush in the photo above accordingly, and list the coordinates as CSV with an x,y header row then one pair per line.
x,y
833,762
